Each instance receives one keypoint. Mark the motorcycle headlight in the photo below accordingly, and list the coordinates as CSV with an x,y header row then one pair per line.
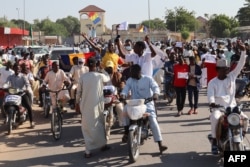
x,y
233,119
12,91
107,100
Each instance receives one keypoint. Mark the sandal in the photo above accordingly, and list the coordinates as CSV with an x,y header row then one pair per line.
x,y
87,155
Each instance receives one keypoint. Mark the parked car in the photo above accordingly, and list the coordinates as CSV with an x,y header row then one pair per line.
x,y
38,51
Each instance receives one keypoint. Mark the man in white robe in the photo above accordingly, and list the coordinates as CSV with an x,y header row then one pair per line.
x,y
90,102
221,91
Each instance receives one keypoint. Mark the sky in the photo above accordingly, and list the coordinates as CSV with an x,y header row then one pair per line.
x,y
117,11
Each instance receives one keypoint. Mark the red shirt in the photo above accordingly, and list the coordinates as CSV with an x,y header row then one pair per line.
x,y
179,72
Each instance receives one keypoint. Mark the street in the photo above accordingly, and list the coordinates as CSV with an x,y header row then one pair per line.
x,y
185,136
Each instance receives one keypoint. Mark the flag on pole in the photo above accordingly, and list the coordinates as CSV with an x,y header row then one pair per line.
x,y
31,34
123,26
94,17
141,28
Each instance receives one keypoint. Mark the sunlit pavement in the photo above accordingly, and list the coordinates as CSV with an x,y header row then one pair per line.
x,y
185,136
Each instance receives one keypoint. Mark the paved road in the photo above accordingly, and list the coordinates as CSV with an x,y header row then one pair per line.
x,y
186,137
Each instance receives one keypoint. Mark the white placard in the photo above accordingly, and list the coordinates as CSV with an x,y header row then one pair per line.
x,y
182,75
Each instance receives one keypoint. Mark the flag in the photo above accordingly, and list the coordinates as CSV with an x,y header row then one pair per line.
x,y
68,59
94,17
123,26
141,28
31,34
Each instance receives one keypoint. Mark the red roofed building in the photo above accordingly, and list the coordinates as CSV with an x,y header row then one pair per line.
x,y
11,36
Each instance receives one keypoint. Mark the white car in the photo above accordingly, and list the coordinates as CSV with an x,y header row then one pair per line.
x,y
38,51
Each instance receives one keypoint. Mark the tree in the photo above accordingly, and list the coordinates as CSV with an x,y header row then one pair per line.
x,y
156,24
243,14
221,25
51,28
4,22
71,24
181,19
20,23
185,35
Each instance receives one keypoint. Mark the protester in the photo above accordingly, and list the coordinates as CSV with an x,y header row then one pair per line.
x,y
19,81
56,79
5,72
75,74
89,101
143,87
140,56
110,54
221,91
180,83
193,85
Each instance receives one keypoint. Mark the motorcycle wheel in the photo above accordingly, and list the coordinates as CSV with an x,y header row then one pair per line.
x,y
10,122
133,145
56,125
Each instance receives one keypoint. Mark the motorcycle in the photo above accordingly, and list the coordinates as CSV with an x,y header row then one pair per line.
x,y
16,114
110,100
229,132
138,127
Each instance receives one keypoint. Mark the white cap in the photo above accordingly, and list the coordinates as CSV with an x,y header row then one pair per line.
x,y
222,63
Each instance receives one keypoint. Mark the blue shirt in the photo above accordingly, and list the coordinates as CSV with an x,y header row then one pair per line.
x,y
143,88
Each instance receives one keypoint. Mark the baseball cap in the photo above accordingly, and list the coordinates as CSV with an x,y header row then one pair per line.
x,y
109,64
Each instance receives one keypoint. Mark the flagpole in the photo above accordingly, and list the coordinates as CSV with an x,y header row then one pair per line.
x,y
149,15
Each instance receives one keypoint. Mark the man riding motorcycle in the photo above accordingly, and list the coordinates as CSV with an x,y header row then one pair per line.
x,y
42,72
142,87
221,91
19,81
75,73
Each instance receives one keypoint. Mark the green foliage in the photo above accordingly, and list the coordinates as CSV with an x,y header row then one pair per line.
x,y
62,27
156,24
243,14
4,22
71,23
221,25
185,34
180,19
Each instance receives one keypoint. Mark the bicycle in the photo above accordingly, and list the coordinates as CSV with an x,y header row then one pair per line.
x,y
56,117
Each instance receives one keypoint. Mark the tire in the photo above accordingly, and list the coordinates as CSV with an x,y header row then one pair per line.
x,y
10,122
133,145
46,110
56,125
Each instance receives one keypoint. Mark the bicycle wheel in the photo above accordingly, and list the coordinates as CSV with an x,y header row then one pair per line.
x,y
56,124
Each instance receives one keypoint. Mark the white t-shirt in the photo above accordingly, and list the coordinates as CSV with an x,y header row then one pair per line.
x,y
4,75
145,61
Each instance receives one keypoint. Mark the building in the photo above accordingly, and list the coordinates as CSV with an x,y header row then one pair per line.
x,y
12,36
92,20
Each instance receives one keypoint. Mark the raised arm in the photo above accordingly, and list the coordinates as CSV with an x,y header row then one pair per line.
x,y
122,53
153,53
241,62
84,35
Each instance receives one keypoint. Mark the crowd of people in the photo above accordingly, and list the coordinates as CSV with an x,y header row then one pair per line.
x,y
130,67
